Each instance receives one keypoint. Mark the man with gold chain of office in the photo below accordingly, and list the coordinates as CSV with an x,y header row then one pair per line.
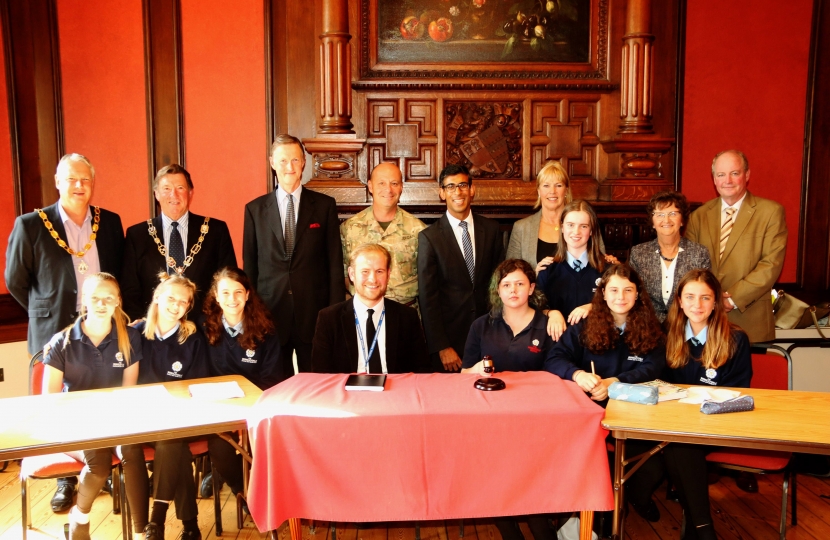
x,y
395,229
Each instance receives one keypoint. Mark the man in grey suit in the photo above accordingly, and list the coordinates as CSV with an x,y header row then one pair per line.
x,y
50,254
456,258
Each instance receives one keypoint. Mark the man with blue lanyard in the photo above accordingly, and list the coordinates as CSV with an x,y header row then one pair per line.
x,y
380,335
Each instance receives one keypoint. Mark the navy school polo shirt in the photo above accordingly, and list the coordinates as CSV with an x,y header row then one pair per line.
x,y
168,360
526,351
567,289
87,367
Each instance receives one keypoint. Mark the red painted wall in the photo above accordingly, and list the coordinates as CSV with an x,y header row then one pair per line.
x,y
224,107
746,84
102,72
7,213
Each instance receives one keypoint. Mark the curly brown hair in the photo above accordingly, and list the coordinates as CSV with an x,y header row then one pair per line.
x,y
257,319
642,329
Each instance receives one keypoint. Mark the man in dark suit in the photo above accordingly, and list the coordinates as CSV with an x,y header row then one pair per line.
x,y
45,270
456,258
207,240
291,251
346,332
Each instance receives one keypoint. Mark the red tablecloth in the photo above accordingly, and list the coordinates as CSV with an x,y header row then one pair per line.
x,y
428,447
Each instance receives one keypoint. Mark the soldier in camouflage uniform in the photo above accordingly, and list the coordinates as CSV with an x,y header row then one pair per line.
x,y
395,229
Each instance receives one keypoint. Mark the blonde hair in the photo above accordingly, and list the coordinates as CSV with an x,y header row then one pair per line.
x,y
369,248
186,328
121,319
553,171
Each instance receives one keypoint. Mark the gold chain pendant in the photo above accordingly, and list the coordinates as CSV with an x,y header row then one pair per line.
x,y
54,234
171,262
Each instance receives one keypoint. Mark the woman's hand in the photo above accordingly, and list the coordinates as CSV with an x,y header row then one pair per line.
x,y
586,381
478,368
610,259
135,322
600,391
544,263
556,324
579,313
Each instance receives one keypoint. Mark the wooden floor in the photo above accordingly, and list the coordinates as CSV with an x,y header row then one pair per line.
x,y
737,516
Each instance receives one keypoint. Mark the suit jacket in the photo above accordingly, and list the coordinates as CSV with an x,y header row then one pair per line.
x,y
335,348
143,262
449,301
524,239
295,291
647,262
751,261
40,274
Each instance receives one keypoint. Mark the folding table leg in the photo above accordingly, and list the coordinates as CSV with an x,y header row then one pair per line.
x,y
619,457
782,526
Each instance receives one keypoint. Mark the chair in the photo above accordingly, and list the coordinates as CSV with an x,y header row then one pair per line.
x,y
51,466
765,461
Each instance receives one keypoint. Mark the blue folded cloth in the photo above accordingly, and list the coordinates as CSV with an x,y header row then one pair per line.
x,y
634,393
738,404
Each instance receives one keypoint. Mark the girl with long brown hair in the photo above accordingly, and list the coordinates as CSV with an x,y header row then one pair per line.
x,y
242,341
570,280
703,348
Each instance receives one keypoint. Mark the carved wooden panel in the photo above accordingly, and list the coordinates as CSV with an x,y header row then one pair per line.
x,y
641,165
404,131
565,130
484,136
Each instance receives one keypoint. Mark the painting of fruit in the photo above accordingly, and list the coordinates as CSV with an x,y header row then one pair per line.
x,y
483,30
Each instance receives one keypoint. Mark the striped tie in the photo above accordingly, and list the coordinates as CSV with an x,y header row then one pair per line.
x,y
726,228
290,227
468,251
577,265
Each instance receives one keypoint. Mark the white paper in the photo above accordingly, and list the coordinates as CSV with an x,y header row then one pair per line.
x,y
222,390
699,394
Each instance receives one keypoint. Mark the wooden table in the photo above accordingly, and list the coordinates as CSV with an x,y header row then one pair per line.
x,y
68,421
782,420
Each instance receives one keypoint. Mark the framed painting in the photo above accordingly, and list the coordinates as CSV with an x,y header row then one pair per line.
x,y
542,40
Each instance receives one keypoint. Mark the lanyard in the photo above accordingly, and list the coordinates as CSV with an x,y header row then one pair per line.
x,y
374,341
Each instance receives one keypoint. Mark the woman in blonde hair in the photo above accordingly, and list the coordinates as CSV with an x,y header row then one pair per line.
x,y
99,351
173,351
702,348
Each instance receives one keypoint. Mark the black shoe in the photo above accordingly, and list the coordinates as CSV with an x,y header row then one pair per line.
x,y
108,485
747,482
153,532
647,511
671,493
192,535
206,489
62,499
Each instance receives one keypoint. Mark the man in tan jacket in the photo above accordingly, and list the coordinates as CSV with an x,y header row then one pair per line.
x,y
747,239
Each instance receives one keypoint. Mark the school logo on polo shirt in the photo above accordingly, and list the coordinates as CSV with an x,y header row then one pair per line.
x,y
250,356
597,284
635,358
710,374
176,367
119,360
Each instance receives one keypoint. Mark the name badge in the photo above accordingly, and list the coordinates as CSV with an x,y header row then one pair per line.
x,y
635,358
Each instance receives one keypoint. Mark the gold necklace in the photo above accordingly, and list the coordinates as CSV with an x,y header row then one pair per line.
x,y
171,262
82,267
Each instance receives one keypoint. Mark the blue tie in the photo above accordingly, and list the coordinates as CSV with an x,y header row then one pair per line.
x,y
468,251
290,225
577,265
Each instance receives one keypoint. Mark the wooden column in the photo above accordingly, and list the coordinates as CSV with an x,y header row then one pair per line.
x,y
33,80
335,70
163,62
637,69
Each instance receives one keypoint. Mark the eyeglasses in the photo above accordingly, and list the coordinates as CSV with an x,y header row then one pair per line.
x,y
450,188
662,215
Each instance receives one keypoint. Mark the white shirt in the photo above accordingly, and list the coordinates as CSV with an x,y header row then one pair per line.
x,y
736,206
668,275
76,238
701,337
167,226
282,202
361,310
168,334
455,223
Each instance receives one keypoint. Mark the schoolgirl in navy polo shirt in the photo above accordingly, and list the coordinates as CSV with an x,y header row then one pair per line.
x,y
570,280
515,335
702,348
99,351
173,350
242,341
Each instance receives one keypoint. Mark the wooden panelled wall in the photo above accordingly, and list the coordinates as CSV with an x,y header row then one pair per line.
x,y
616,129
